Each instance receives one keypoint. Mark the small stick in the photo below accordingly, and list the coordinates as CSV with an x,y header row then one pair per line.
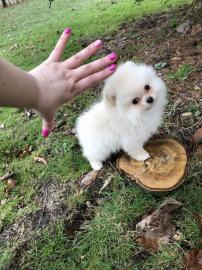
x,y
6,176
184,18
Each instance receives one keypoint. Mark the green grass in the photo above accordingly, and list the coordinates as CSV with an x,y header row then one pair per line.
x,y
30,30
181,73
6,257
107,239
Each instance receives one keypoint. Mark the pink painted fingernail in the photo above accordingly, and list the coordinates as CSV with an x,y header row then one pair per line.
x,y
112,67
45,132
67,31
112,56
98,43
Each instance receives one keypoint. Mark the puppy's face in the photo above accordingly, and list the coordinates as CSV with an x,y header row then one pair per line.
x,y
135,89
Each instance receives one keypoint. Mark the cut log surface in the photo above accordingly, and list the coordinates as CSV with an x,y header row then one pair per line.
x,y
163,171
187,119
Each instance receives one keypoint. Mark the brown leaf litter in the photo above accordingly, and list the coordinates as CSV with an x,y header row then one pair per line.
x,y
11,183
27,150
89,178
197,137
194,260
6,176
40,160
156,229
196,141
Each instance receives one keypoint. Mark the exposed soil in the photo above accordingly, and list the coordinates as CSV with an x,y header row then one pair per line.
x,y
51,198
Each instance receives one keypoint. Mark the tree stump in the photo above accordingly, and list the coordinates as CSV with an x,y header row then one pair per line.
x,y
187,119
165,170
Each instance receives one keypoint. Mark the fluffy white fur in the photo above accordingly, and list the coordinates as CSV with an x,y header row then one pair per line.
x,y
116,122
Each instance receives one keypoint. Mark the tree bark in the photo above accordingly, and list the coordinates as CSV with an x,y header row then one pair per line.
x,y
4,3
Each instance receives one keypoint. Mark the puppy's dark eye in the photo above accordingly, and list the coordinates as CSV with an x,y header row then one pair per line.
x,y
147,87
135,100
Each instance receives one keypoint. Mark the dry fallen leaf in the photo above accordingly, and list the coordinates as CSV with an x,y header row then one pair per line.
x,y
197,137
148,243
26,151
2,202
6,176
184,28
11,183
176,58
15,46
156,229
194,260
198,151
178,236
1,126
106,183
40,160
89,204
197,28
200,240
89,178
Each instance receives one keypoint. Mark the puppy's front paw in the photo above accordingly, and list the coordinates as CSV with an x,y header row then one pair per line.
x,y
142,156
96,165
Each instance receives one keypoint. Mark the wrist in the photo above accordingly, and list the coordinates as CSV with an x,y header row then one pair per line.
x,y
36,104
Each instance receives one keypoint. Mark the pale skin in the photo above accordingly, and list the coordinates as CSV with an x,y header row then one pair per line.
x,y
54,82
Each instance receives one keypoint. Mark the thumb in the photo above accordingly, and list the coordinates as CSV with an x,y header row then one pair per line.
x,y
47,127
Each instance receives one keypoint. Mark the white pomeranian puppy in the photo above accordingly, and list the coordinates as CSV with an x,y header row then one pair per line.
x,y
128,114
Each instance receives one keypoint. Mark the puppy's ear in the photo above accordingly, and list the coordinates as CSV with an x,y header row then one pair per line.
x,y
109,95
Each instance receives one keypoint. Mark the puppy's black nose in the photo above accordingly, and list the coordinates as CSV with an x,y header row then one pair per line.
x,y
150,100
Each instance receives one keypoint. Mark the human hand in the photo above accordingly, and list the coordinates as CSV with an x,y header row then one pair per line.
x,y
60,81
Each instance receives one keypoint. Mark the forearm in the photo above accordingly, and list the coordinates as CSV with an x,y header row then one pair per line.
x,y
17,88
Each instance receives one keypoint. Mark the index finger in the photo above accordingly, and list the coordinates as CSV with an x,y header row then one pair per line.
x,y
77,59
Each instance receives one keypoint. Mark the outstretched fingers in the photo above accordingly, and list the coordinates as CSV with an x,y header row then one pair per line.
x,y
93,79
77,59
95,66
57,52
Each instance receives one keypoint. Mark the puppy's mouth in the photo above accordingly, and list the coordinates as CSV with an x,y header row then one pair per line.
x,y
150,102
150,106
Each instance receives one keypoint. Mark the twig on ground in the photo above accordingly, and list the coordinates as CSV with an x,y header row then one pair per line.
x,y
106,183
7,176
193,4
